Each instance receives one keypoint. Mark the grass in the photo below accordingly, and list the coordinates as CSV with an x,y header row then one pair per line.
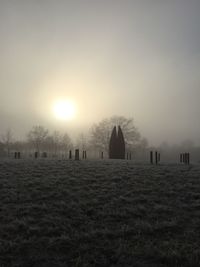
x,y
98,213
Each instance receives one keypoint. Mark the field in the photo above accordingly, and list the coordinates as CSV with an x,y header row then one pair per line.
x,y
98,213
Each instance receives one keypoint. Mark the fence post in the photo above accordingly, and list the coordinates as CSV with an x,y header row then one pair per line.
x,y
151,157
70,154
77,154
181,158
156,157
187,158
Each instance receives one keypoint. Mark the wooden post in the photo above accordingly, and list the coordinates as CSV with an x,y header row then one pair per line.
x,y
18,155
44,155
84,155
181,158
102,155
36,155
156,157
151,157
70,154
186,158
77,154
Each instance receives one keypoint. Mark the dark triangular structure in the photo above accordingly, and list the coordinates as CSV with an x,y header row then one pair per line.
x,y
121,144
113,144
117,144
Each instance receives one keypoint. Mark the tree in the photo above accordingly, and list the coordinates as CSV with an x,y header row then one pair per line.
x,y
60,142
82,141
57,143
56,138
101,132
2,152
7,140
37,136
66,142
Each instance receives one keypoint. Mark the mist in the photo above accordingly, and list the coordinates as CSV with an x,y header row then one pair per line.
x,y
138,59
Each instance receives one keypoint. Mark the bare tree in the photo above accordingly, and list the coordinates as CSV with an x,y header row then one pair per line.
x,y
82,141
2,152
57,143
66,142
37,136
56,138
48,144
7,139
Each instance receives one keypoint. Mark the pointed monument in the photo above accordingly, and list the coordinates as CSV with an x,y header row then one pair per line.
x,y
113,144
117,144
120,144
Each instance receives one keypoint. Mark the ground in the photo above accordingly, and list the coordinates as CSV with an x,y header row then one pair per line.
x,y
98,213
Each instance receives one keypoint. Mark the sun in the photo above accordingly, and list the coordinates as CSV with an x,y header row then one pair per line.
x,y
64,110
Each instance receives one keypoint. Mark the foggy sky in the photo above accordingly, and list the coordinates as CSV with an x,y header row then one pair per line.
x,y
137,58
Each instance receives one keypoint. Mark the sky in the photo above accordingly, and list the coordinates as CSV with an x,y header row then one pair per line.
x,y
135,58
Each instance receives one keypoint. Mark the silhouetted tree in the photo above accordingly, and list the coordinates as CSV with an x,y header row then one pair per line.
x,y
82,141
48,145
7,139
56,139
37,136
66,142
2,152
57,143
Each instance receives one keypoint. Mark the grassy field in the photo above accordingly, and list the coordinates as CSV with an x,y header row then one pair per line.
x,y
98,213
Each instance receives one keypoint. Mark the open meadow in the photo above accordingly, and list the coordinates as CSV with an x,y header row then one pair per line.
x,y
98,213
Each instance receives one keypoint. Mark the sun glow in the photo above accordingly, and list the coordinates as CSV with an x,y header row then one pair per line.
x,y
64,110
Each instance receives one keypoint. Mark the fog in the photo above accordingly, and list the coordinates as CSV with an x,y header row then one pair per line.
x,y
138,59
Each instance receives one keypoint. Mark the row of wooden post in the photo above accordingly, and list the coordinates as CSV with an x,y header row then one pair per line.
x,y
157,157
128,155
185,158
17,155
77,156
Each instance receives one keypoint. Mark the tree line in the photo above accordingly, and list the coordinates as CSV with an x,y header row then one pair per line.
x,y
41,139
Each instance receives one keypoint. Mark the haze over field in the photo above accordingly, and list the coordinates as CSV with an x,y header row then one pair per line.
x,y
134,58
